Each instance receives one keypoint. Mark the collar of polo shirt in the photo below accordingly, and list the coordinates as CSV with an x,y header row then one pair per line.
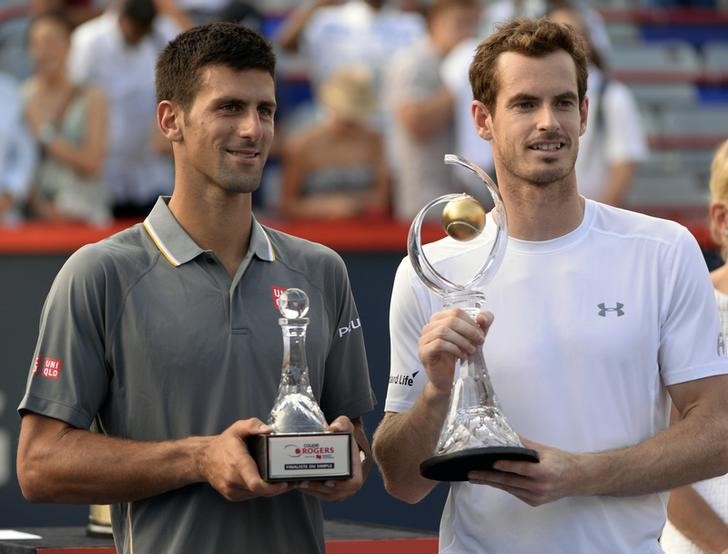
x,y
178,247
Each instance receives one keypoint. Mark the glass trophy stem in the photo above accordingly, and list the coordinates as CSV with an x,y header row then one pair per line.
x,y
295,372
474,416
295,409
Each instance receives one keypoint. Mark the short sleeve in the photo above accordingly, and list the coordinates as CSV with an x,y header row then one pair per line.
x,y
690,342
68,377
409,311
347,388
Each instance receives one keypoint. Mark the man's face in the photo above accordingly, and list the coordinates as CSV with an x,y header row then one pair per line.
x,y
537,122
228,130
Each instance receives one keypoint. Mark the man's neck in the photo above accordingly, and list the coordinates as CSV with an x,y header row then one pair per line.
x,y
216,221
538,213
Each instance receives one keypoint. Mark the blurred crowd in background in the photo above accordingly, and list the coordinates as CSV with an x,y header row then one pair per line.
x,y
371,96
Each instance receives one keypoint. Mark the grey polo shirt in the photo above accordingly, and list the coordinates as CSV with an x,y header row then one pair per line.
x,y
146,334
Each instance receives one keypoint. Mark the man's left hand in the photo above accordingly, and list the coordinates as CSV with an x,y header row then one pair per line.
x,y
335,490
552,478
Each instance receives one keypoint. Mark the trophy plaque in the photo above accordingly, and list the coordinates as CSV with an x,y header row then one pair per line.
x,y
475,433
299,448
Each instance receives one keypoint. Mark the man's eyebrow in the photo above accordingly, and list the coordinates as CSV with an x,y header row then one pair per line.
x,y
229,100
219,101
567,96
522,97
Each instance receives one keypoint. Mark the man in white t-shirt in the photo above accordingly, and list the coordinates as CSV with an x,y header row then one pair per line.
x,y
117,52
602,317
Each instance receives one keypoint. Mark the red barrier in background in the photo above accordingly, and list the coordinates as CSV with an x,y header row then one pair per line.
x,y
350,235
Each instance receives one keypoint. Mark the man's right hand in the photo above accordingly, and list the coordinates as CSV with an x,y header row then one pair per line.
x,y
450,335
227,465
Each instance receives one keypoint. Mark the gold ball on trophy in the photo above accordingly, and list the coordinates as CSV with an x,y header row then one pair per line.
x,y
463,218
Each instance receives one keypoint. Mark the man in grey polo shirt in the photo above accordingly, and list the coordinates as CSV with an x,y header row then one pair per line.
x,y
166,337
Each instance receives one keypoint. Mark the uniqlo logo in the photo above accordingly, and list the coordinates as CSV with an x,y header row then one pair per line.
x,y
51,368
276,293
36,366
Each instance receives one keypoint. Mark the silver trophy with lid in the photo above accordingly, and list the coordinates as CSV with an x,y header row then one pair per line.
x,y
299,448
475,433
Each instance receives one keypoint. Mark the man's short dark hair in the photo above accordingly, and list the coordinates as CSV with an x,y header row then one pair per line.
x,y
139,12
180,64
533,38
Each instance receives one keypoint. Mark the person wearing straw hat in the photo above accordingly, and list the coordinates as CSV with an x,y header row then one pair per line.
x,y
337,166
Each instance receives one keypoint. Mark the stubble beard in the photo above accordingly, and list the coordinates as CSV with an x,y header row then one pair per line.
x,y
240,182
540,177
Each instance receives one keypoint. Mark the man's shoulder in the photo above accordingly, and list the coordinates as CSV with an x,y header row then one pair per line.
x,y
118,255
631,224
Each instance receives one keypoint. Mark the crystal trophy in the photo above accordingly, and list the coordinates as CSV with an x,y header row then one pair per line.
x,y
475,433
299,448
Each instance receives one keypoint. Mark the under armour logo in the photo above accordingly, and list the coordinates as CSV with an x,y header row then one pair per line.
x,y
603,309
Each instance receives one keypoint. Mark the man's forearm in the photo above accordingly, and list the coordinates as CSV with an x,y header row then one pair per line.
x,y
79,466
694,449
404,440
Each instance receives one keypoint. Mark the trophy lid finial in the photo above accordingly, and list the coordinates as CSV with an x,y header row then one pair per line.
x,y
293,303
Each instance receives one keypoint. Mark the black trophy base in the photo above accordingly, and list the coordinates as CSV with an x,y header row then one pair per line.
x,y
456,465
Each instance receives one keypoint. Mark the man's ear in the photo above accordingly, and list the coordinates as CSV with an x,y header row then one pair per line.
x,y
583,114
170,120
482,119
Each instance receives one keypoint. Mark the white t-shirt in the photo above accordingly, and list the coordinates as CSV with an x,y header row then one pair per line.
x,y
589,329
619,136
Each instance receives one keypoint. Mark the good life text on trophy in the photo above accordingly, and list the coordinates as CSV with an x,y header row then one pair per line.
x,y
299,449
475,433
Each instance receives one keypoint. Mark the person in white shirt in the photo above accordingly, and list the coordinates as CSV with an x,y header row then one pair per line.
x,y
698,514
614,143
116,52
330,35
420,108
602,317
18,155
454,72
